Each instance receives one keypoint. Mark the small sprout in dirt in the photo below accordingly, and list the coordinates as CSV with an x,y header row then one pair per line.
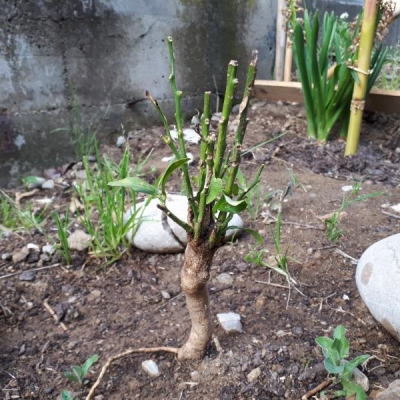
x,y
336,351
13,216
296,182
62,231
333,224
78,374
281,258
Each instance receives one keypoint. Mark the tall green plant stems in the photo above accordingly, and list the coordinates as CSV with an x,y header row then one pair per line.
x,y
217,197
326,59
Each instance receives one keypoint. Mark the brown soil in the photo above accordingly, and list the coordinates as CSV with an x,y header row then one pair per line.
x,y
122,306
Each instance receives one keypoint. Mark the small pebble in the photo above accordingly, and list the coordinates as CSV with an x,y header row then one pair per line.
x,y
6,256
28,276
254,374
20,255
120,141
165,295
79,240
49,249
224,279
230,322
151,368
49,184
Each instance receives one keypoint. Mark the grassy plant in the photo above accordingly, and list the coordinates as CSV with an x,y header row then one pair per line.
x,y
281,258
84,139
14,217
62,230
78,374
213,196
327,95
335,351
104,207
333,224
389,78
255,198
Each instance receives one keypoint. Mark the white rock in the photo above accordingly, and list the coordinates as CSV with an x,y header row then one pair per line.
x,y
49,184
224,279
391,393
254,374
120,141
396,207
347,188
378,281
151,368
79,240
48,249
33,246
165,295
230,322
154,236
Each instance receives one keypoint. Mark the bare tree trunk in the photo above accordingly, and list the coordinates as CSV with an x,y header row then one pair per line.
x,y
194,277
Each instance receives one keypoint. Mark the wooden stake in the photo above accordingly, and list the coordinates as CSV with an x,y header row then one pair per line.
x,y
280,41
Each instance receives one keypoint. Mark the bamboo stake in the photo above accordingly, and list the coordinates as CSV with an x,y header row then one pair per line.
x,y
280,41
364,61
287,75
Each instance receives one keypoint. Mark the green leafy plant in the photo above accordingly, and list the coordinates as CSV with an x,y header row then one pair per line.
x,y
83,135
62,230
78,374
104,207
281,258
14,216
213,194
336,351
333,224
324,60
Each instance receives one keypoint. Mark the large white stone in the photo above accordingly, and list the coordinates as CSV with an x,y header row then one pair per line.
x,y
158,233
378,281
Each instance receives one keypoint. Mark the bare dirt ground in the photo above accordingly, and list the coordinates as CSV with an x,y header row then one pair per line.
x,y
121,306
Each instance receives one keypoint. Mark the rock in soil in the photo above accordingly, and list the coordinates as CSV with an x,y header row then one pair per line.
x,y
254,374
79,240
230,322
378,281
28,276
159,234
151,368
391,393
20,255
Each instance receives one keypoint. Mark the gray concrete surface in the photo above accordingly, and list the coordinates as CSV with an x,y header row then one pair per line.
x,y
107,53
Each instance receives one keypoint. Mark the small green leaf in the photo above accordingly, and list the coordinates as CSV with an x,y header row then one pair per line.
x,y
72,377
214,190
172,167
66,395
332,368
136,184
88,363
226,204
252,232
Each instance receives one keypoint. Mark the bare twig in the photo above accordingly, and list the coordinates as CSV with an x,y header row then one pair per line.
x,y
390,214
29,270
317,389
128,352
218,345
306,226
54,315
342,253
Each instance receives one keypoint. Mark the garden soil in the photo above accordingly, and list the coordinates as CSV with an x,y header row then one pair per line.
x,y
107,310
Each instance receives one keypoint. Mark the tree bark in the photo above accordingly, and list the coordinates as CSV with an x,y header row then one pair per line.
x,y
194,277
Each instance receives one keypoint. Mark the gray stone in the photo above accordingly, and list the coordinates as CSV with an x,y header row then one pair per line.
x,y
49,184
224,279
158,233
165,295
20,255
48,249
28,276
254,374
230,322
120,141
391,393
79,240
151,368
6,256
378,281
361,379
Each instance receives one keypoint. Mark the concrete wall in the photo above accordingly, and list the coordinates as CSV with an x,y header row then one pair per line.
x,y
107,53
